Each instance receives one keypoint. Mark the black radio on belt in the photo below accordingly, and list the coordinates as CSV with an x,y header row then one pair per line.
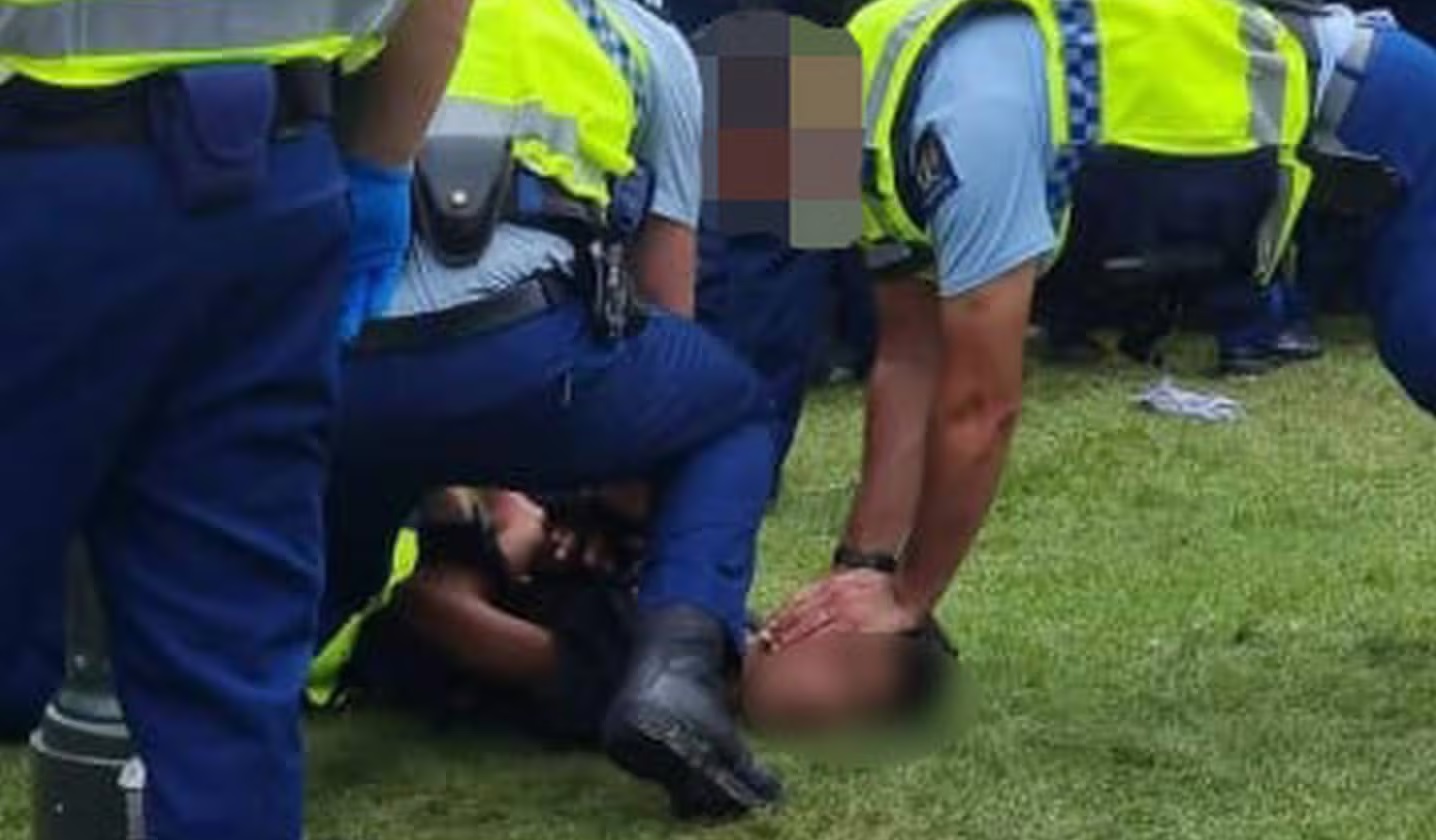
x,y
612,298
617,311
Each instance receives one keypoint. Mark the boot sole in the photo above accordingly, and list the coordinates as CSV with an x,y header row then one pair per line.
x,y
662,749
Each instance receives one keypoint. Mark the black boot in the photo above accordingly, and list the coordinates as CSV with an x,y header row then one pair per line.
x,y
671,723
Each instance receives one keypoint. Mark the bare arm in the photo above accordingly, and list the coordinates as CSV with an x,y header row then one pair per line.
x,y
969,423
900,387
396,97
452,608
973,415
665,260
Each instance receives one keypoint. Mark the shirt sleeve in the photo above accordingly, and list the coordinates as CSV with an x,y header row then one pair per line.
x,y
670,141
978,154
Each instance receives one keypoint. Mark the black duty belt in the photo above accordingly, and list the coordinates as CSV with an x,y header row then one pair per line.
x,y
531,297
36,114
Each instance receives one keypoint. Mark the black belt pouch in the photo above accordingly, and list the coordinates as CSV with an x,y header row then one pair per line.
x,y
461,186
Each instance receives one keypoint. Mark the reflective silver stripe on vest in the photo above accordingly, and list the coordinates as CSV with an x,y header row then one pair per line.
x,y
1267,73
887,64
472,118
1341,90
1273,224
1267,76
116,27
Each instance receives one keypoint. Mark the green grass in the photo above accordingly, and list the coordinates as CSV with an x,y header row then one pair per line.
x,y
1177,631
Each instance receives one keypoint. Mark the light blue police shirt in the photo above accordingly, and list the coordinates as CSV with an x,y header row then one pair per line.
x,y
1335,33
669,142
979,148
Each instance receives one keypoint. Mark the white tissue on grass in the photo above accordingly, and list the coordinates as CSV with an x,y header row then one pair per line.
x,y
1168,398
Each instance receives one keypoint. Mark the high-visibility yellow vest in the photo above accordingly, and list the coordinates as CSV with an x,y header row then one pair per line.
x,y
91,43
1187,78
559,77
326,672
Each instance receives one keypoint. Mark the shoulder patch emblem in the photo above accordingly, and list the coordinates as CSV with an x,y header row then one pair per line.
x,y
934,177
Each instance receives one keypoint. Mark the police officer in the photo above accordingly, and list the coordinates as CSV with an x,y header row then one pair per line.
x,y
1377,87
981,174
171,269
1330,244
928,481
510,355
764,298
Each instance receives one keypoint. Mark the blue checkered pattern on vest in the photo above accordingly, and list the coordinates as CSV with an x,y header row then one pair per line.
x,y
614,46
1081,55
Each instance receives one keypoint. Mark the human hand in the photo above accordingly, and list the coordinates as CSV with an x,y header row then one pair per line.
x,y
569,551
855,601
379,240
598,533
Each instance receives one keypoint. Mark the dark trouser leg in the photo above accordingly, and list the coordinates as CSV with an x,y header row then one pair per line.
x,y
767,302
542,406
555,410
177,372
1391,118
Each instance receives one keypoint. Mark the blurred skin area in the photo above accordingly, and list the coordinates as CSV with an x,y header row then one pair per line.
x,y
825,683
820,685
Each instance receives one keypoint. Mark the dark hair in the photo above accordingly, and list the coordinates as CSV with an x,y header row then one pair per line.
x,y
832,13
928,662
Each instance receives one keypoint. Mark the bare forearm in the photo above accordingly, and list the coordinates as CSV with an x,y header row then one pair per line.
x,y
900,388
968,441
974,408
505,649
895,434
479,636
974,412
665,260
396,98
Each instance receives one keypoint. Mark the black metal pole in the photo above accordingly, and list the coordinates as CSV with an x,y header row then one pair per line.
x,y
88,783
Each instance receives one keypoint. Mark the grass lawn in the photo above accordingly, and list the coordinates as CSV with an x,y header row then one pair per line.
x,y
1177,631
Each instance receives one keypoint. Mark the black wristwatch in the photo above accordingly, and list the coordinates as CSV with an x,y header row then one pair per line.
x,y
847,559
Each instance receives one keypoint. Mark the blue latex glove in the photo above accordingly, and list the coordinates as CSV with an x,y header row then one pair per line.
x,y
382,227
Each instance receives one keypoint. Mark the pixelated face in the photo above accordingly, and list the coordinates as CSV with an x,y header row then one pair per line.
x,y
822,684
782,152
